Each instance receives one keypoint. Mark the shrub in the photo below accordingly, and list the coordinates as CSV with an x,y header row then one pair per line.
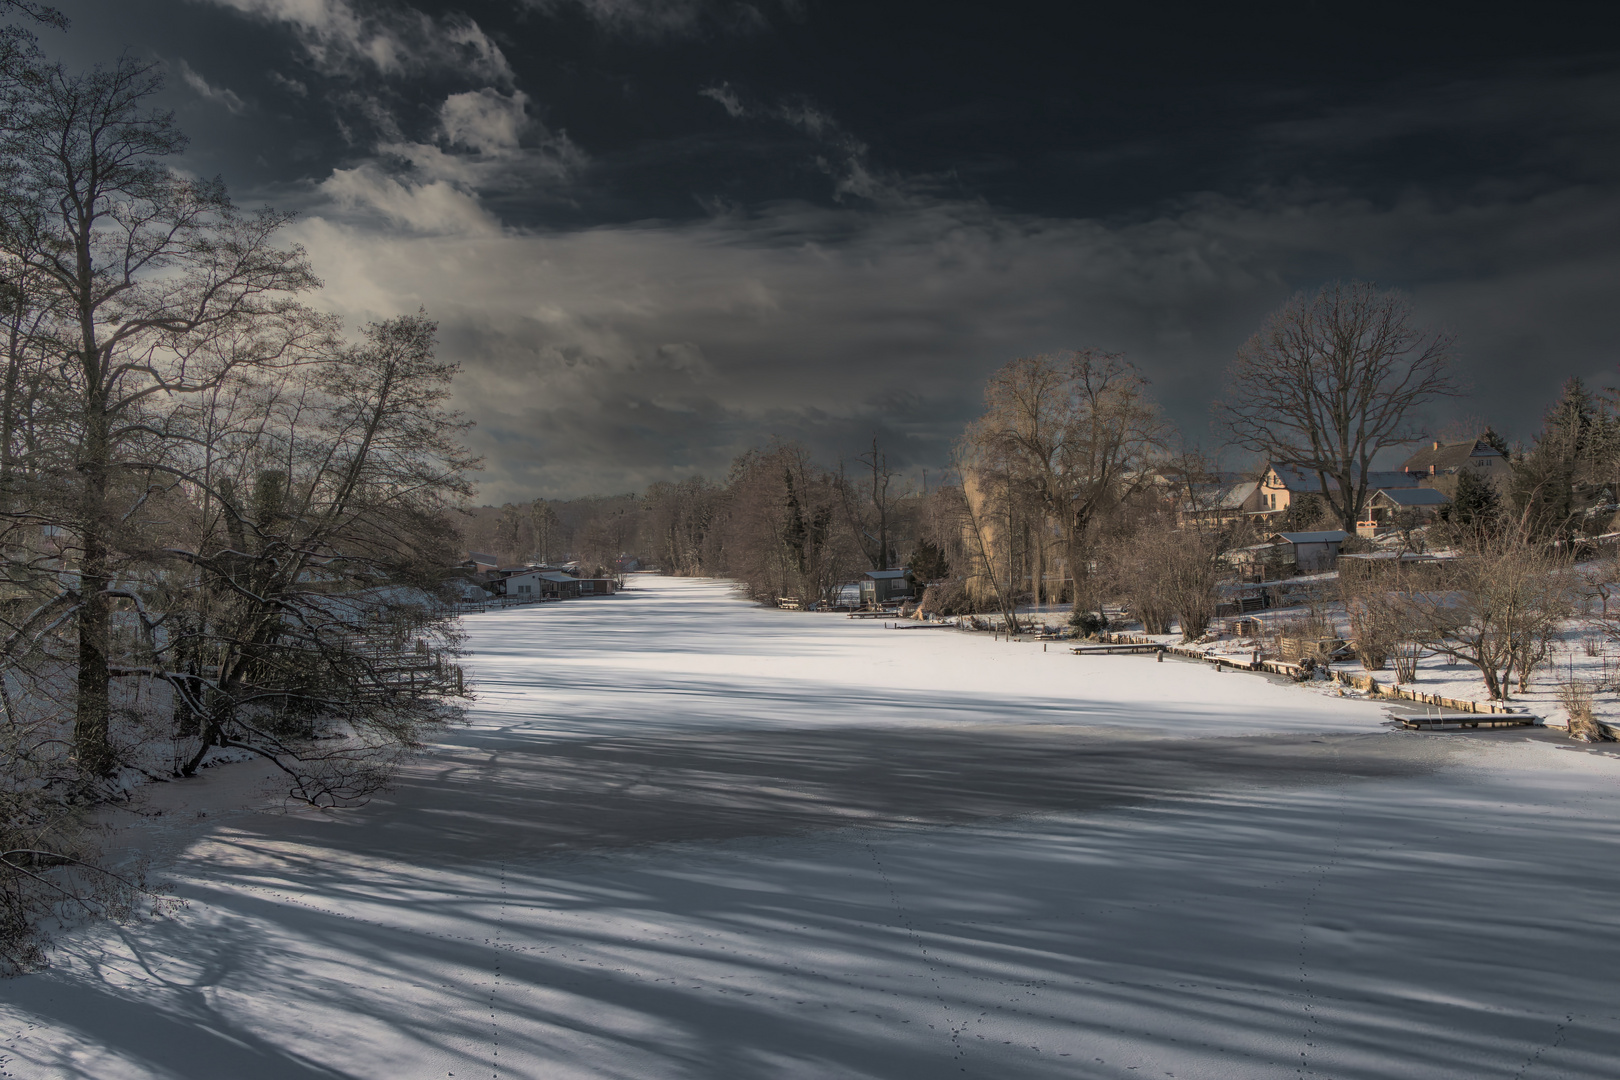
x,y
945,598
1089,623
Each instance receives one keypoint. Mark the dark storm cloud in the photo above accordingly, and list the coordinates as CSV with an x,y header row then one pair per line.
x,y
674,18
658,232
622,354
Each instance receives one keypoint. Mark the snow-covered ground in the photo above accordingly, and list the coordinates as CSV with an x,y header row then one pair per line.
x,y
685,837
1581,652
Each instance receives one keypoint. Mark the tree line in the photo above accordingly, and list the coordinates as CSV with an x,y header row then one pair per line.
x,y
1064,489
223,524
1073,489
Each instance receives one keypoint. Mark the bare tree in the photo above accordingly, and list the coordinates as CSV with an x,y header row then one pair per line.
x,y
781,525
41,13
1498,612
1163,573
300,599
974,508
678,524
869,506
1332,379
146,272
1076,434
510,530
543,521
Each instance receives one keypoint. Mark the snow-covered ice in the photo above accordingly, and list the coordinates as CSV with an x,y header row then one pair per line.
x,y
684,837
687,654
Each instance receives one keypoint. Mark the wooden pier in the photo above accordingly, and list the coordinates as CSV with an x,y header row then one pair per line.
x,y
1150,647
1454,721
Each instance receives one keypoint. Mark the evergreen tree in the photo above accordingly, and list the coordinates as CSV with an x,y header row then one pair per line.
x,y
928,562
1474,506
1563,470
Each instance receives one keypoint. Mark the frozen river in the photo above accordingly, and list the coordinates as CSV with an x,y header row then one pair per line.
x,y
685,837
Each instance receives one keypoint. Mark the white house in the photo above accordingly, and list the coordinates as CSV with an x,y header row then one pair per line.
x,y
522,586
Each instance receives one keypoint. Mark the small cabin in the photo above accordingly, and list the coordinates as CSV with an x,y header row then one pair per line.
x,y
886,586
556,585
1424,502
526,585
1313,552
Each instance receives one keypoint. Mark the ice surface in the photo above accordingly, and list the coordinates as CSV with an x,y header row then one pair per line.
x,y
688,838
687,654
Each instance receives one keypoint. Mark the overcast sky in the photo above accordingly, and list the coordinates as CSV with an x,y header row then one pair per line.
x,y
657,232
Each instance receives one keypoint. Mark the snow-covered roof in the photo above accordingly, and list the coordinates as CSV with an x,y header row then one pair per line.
x,y
1329,536
1448,457
885,575
555,575
1415,497
1222,496
1297,479
1382,556
1267,546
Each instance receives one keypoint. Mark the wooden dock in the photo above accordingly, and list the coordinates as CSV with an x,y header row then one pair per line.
x,y
1454,721
1151,647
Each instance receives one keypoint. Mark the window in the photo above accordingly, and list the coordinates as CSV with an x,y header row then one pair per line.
x,y
587,586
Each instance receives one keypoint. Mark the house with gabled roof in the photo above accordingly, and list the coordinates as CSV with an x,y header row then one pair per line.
x,y
1313,552
522,585
884,586
1282,483
1227,497
1385,505
1438,464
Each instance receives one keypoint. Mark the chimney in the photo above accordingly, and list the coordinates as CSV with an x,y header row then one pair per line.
x,y
1437,444
1431,470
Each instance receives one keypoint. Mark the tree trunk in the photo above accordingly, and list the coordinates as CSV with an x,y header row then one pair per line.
x,y
91,745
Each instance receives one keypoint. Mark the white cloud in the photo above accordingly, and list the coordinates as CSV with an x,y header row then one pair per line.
x,y
486,140
340,37
727,97
292,86
486,120
434,208
219,95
